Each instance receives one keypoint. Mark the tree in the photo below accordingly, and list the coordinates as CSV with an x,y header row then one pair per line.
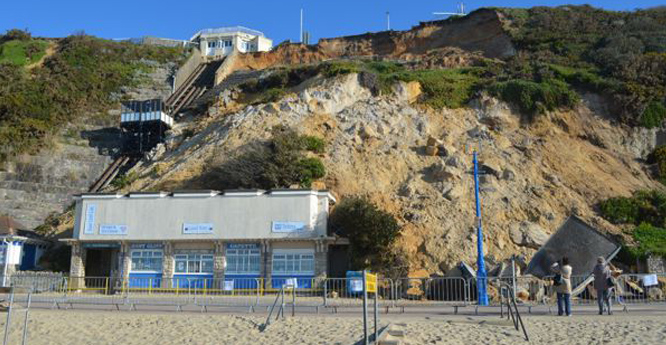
x,y
370,230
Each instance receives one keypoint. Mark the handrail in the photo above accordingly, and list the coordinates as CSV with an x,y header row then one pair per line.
x,y
511,302
280,296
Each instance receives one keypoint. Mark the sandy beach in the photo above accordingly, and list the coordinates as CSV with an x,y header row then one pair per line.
x,y
105,327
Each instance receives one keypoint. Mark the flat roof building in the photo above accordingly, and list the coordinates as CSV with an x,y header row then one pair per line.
x,y
161,239
222,41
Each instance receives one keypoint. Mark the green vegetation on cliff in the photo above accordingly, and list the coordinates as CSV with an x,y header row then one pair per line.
x,y
645,212
79,79
618,54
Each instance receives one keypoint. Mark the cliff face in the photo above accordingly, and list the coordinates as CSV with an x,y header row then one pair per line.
x,y
480,31
538,175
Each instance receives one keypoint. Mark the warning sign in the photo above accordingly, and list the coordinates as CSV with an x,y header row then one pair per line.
x,y
370,282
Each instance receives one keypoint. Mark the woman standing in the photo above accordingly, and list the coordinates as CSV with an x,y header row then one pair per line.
x,y
562,282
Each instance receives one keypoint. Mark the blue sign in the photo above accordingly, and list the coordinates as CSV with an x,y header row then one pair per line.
x,y
288,226
197,228
101,245
146,246
242,246
112,229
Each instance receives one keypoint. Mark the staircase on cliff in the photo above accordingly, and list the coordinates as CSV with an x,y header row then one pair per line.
x,y
201,79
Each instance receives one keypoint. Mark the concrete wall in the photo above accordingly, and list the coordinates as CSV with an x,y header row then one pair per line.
x,y
186,70
234,217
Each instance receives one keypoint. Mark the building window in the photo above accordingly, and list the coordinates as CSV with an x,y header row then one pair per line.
x,y
293,262
194,263
227,43
146,260
211,44
243,261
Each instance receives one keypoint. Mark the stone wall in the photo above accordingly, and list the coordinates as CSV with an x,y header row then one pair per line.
x,y
656,264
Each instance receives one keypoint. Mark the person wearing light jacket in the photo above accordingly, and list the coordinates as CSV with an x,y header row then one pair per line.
x,y
602,277
563,287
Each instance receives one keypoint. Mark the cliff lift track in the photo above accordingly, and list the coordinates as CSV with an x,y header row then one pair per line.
x,y
201,79
109,174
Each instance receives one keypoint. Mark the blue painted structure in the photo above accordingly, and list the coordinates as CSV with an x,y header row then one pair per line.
x,y
481,275
28,257
244,281
145,280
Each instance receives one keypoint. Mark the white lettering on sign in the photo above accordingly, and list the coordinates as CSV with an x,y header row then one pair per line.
x,y
112,229
88,227
288,226
197,228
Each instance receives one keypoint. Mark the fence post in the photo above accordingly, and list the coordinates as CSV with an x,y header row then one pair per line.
x,y
9,315
25,322
325,292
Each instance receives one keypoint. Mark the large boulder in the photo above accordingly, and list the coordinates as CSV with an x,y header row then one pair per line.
x,y
528,234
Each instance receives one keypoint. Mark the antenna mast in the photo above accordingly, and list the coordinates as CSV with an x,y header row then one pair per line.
x,y
301,36
388,21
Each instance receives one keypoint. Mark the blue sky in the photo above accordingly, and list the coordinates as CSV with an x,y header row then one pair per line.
x,y
278,19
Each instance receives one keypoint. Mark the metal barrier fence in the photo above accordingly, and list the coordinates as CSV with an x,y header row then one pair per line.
x,y
252,293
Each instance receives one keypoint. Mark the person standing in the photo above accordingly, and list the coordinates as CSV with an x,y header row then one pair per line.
x,y
603,284
562,284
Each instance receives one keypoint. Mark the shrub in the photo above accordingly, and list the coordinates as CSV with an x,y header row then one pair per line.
x,y
450,88
310,169
534,98
650,240
124,180
620,210
278,163
653,115
335,68
314,144
643,207
370,230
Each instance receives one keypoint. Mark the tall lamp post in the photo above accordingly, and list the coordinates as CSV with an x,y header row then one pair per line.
x,y
481,275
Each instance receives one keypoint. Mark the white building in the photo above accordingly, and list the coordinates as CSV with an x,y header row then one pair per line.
x,y
222,41
178,239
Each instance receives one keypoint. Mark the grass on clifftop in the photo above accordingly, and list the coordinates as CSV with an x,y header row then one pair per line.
x,y
22,53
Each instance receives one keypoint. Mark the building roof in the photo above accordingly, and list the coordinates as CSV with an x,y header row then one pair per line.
x,y
227,30
9,226
205,193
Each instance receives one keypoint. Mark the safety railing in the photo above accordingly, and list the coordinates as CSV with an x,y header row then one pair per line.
x,y
206,292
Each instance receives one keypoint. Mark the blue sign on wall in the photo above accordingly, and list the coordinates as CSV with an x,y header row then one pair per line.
x,y
146,246
288,226
242,245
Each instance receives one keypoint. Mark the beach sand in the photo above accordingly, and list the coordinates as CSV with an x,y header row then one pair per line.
x,y
105,327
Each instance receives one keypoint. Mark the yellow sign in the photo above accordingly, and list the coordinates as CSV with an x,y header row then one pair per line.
x,y
371,282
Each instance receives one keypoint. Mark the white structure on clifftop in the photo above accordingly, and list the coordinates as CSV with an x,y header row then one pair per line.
x,y
221,41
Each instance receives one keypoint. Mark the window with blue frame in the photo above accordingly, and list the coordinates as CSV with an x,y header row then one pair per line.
x,y
243,261
194,263
297,263
146,260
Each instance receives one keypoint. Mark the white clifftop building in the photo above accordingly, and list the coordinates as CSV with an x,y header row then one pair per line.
x,y
222,41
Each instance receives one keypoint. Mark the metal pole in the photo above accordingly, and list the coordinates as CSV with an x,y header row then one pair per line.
x,y
9,316
25,322
513,275
4,266
301,37
388,21
376,311
365,311
481,275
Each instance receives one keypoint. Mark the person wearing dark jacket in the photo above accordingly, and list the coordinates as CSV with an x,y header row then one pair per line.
x,y
602,279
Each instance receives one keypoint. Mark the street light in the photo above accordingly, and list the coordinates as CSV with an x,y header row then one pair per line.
x,y
481,274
